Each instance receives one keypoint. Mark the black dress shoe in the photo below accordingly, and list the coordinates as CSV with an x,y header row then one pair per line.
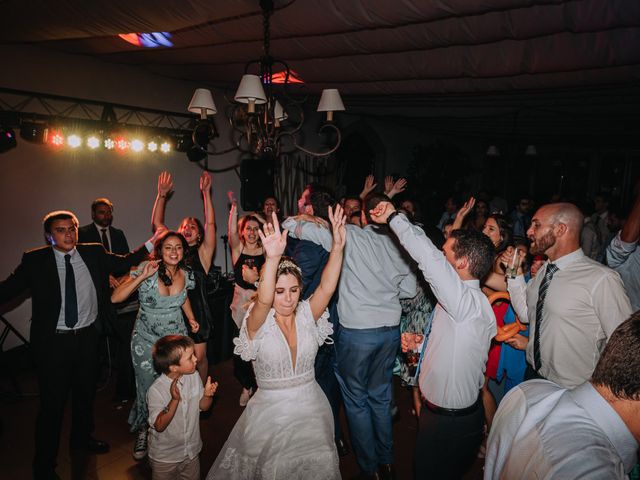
x,y
387,472
343,449
97,446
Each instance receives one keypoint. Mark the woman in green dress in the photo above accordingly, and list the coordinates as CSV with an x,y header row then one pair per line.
x,y
162,284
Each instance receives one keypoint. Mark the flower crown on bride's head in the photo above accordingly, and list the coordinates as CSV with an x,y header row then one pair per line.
x,y
287,263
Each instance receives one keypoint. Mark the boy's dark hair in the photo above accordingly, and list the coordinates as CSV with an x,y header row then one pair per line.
x,y
321,199
619,366
478,249
168,350
371,201
50,217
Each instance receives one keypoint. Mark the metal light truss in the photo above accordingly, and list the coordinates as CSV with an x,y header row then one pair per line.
x,y
17,106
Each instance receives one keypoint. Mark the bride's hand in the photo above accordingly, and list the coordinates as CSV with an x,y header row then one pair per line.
x,y
273,241
338,219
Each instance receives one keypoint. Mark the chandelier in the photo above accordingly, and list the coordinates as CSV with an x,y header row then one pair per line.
x,y
266,118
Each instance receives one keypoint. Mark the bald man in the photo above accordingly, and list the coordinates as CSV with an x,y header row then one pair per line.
x,y
573,304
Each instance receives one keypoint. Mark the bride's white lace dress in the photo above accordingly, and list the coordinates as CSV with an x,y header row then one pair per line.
x,y
286,431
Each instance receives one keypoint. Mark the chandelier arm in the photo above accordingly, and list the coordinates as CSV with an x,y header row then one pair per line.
x,y
318,154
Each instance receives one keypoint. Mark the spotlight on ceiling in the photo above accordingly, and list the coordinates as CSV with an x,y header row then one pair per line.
x,y
165,147
7,139
74,141
34,132
137,145
93,142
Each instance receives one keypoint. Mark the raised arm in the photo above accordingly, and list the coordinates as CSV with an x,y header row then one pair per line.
x,y
165,185
130,285
463,212
631,231
234,237
391,188
331,273
369,185
273,244
208,245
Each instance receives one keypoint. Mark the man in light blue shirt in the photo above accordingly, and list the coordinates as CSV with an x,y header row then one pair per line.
x,y
375,275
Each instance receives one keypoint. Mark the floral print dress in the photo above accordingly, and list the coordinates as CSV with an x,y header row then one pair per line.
x,y
159,315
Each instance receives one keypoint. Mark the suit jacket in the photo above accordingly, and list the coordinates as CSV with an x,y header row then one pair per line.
x,y
38,274
90,234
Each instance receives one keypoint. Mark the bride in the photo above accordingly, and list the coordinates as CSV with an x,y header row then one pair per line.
x,y
286,431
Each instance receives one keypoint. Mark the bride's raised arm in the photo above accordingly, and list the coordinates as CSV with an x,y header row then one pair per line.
x,y
273,245
331,273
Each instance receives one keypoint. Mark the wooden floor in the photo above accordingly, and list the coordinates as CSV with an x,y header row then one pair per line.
x,y
18,420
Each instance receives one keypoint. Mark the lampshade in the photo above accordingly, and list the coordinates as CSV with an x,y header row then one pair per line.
x,y
279,113
531,151
250,90
493,151
330,101
202,103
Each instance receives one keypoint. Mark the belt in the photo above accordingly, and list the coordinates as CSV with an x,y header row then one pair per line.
x,y
453,412
73,331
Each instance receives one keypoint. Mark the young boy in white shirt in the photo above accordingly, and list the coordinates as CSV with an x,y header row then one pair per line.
x,y
175,400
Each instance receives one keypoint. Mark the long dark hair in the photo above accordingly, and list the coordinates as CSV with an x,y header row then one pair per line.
x,y
506,233
198,223
157,253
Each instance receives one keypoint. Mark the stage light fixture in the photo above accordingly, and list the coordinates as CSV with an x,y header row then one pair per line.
x,y
74,140
121,144
137,145
34,132
152,146
165,147
56,138
109,143
7,139
93,142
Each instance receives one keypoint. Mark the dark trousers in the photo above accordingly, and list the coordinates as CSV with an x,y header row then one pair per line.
x,y
126,380
65,364
364,370
447,446
326,378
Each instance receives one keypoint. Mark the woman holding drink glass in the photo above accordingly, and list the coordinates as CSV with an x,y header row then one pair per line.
x,y
247,257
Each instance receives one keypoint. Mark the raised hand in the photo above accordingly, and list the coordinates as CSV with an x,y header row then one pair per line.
x,y
398,187
369,185
165,184
338,219
381,212
150,268
175,391
466,208
388,184
250,274
210,388
273,241
205,182
232,198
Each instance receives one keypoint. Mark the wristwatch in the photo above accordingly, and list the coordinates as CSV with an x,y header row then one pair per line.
x,y
392,216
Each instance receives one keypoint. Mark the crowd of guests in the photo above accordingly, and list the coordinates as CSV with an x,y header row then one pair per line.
x,y
512,331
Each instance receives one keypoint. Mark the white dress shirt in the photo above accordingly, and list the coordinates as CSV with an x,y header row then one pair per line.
x,y
375,274
181,439
452,370
543,431
624,258
85,290
585,303
107,231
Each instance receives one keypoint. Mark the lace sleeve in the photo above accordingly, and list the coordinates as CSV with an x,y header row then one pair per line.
x,y
245,347
322,328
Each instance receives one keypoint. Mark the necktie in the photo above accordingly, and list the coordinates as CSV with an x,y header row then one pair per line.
x,y
70,298
542,293
105,239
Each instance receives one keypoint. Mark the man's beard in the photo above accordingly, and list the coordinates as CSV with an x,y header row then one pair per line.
x,y
539,247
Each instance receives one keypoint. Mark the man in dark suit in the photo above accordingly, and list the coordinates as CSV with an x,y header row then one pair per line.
x,y
101,231
69,285
122,316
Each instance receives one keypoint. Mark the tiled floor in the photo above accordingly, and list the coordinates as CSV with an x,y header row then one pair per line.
x,y
18,419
